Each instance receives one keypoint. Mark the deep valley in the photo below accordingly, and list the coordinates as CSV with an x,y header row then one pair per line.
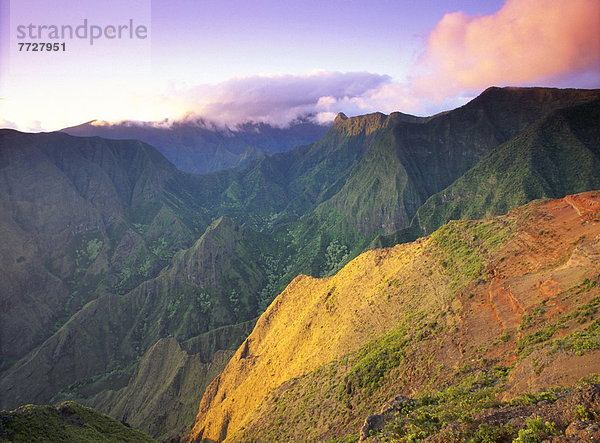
x,y
390,277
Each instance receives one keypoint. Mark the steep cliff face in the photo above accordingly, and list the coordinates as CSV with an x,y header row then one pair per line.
x,y
410,162
518,137
394,318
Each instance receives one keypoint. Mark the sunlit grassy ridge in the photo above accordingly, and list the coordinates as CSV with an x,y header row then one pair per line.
x,y
406,286
432,325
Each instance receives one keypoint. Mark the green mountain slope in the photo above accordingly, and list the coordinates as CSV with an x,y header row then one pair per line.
x,y
68,421
408,163
285,185
80,216
212,284
557,155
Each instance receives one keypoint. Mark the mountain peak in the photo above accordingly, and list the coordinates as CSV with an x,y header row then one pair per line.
x,y
368,123
340,118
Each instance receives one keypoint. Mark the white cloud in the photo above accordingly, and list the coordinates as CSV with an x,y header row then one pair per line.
x,y
278,99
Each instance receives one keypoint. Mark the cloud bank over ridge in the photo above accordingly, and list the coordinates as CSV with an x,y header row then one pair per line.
x,y
278,99
525,43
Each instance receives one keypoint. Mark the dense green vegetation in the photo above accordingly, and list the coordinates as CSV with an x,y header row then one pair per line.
x,y
431,411
377,359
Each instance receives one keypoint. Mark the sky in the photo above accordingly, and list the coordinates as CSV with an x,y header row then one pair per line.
x,y
274,61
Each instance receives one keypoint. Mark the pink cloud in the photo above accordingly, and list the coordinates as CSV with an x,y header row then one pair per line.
x,y
527,41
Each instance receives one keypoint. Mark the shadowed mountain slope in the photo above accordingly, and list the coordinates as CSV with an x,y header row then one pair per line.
x,y
70,207
191,296
200,146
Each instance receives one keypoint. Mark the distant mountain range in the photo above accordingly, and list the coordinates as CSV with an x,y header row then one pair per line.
x,y
128,284
199,146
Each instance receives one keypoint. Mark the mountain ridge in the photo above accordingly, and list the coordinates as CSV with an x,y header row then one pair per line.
x,y
300,332
541,162
201,146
